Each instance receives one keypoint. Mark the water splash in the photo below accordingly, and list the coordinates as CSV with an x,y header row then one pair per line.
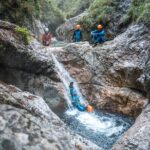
x,y
102,129
103,123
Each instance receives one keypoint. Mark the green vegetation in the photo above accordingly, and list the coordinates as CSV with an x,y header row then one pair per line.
x,y
49,11
100,11
71,8
16,11
52,12
103,12
24,33
138,12
22,12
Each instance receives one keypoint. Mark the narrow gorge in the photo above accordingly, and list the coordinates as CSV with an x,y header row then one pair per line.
x,y
36,111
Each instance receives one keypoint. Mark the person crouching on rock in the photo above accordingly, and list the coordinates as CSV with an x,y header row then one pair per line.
x,y
97,36
46,38
77,35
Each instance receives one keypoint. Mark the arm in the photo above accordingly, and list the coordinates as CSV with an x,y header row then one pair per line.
x,y
93,32
101,33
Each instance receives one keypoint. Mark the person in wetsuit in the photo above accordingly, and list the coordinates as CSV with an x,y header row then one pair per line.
x,y
75,98
77,34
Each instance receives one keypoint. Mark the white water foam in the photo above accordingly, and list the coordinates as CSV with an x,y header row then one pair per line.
x,y
91,121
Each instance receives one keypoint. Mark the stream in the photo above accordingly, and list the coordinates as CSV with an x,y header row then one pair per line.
x,y
99,127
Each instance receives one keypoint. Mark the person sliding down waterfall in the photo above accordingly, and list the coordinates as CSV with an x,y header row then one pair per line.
x,y
77,35
75,100
97,36
46,38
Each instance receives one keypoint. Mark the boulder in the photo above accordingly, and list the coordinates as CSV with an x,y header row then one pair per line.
x,y
26,122
120,62
121,100
40,85
137,137
29,67
15,54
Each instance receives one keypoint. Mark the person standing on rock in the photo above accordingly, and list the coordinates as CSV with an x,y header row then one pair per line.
x,y
77,35
97,36
46,38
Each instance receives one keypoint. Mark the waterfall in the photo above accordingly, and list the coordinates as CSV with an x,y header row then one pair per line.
x,y
66,79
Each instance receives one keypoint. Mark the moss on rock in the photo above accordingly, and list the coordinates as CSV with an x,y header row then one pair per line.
x,y
24,33
139,11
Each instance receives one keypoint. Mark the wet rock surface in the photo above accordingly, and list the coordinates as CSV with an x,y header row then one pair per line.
x,y
26,122
137,137
121,100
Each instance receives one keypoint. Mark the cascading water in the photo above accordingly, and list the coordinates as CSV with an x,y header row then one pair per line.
x,y
66,79
102,129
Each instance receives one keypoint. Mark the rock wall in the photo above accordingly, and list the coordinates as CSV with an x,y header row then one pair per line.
x,y
72,8
114,71
33,14
137,137
26,122
15,54
29,67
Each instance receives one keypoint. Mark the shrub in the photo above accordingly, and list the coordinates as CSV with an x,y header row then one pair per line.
x,y
24,33
100,11
139,11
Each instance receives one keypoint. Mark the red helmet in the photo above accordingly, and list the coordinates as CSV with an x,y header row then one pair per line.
x,y
99,27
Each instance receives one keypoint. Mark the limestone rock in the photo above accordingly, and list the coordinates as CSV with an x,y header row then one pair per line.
x,y
14,54
121,100
28,123
137,137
